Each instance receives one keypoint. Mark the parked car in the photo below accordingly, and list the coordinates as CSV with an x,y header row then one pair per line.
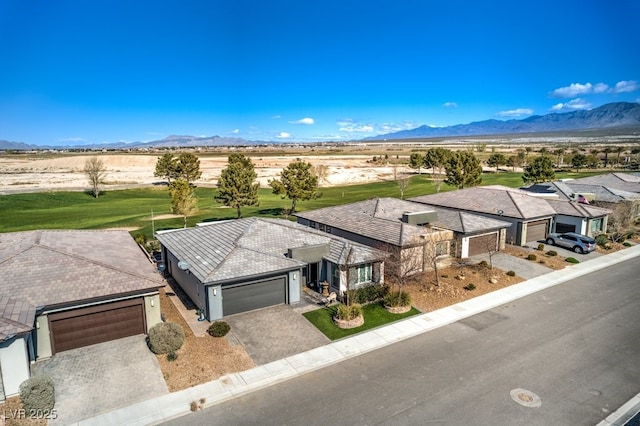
x,y
576,242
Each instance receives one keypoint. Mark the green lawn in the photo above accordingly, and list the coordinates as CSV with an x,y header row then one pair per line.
x,y
374,316
132,208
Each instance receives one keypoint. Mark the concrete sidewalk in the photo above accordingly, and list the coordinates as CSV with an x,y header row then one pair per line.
x,y
177,404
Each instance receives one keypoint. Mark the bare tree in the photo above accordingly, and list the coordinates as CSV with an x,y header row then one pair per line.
x,y
322,172
402,263
95,171
401,179
490,245
436,247
621,220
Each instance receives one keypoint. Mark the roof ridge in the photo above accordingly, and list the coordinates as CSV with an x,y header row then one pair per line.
x,y
516,204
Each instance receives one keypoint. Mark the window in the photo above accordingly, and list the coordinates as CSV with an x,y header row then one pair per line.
x,y
328,229
322,226
312,223
596,225
442,248
363,273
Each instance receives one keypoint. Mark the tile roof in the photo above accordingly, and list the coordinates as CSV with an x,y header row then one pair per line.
x,y
572,208
604,193
381,219
511,202
46,268
621,181
241,248
17,316
561,189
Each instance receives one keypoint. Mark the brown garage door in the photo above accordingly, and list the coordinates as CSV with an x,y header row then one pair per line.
x,y
96,324
537,231
483,243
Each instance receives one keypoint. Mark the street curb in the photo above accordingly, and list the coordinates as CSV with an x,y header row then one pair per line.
x,y
177,404
623,414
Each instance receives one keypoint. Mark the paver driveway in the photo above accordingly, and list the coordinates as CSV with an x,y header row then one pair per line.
x,y
99,378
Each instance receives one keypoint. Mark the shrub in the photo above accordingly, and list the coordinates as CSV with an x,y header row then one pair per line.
x,y
572,260
368,294
602,240
483,263
219,329
172,356
511,273
532,257
470,287
347,313
165,337
552,253
540,247
627,244
397,298
38,394
444,276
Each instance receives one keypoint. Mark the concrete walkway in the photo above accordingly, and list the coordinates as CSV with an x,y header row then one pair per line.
x,y
177,404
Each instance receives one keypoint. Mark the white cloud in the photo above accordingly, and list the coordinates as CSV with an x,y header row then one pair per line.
x,y
306,120
276,116
450,105
359,128
575,89
515,112
235,131
283,135
626,86
572,105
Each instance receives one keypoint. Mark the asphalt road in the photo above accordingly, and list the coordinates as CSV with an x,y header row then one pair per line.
x,y
575,346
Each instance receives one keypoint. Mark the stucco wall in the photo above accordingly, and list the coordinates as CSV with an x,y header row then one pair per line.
x,y
43,337
187,281
152,310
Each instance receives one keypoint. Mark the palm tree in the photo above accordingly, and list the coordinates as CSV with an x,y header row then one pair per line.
x,y
559,152
619,150
606,152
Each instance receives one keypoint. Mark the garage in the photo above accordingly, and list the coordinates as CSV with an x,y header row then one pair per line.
x,y
537,231
483,244
562,228
254,295
96,324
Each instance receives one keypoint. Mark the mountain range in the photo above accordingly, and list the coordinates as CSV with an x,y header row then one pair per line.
x,y
606,117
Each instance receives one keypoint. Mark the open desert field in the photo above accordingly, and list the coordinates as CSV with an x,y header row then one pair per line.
x,y
65,171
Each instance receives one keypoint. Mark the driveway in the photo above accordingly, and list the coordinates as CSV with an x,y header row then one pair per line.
x,y
274,333
100,378
522,267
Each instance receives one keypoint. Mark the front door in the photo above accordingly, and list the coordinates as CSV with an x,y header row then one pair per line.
x,y
310,273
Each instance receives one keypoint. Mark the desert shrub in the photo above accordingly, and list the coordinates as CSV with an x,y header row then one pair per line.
x,y
172,356
540,247
572,260
38,394
347,313
470,287
140,239
511,273
219,329
532,257
627,244
165,337
397,298
483,263
602,240
444,276
551,253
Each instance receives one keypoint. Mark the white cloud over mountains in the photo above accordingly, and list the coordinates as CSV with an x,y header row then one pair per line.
x,y
349,125
283,135
578,89
519,112
306,120
572,105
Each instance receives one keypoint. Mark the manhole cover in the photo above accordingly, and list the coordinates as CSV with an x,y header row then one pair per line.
x,y
525,398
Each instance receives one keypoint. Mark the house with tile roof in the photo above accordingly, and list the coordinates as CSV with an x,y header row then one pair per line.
x,y
628,182
403,224
530,217
235,266
62,290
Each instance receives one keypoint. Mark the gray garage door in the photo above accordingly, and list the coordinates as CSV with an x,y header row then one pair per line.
x,y
561,228
537,231
483,244
254,295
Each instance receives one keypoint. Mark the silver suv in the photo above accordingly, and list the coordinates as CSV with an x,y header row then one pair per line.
x,y
576,242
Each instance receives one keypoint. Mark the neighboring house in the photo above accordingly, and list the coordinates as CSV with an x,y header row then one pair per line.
x,y
620,181
67,289
390,221
531,217
578,217
236,266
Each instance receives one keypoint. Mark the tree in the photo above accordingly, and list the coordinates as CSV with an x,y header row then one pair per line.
x,y
188,167
95,171
463,170
606,152
237,186
512,162
621,221
527,151
436,247
496,160
322,171
559,152
297,182
619,150
400,179
183,198
592,161
436,160
540,170
416,161
166,167
578,161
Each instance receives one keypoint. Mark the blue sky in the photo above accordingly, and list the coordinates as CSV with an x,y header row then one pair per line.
x,y
79,72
